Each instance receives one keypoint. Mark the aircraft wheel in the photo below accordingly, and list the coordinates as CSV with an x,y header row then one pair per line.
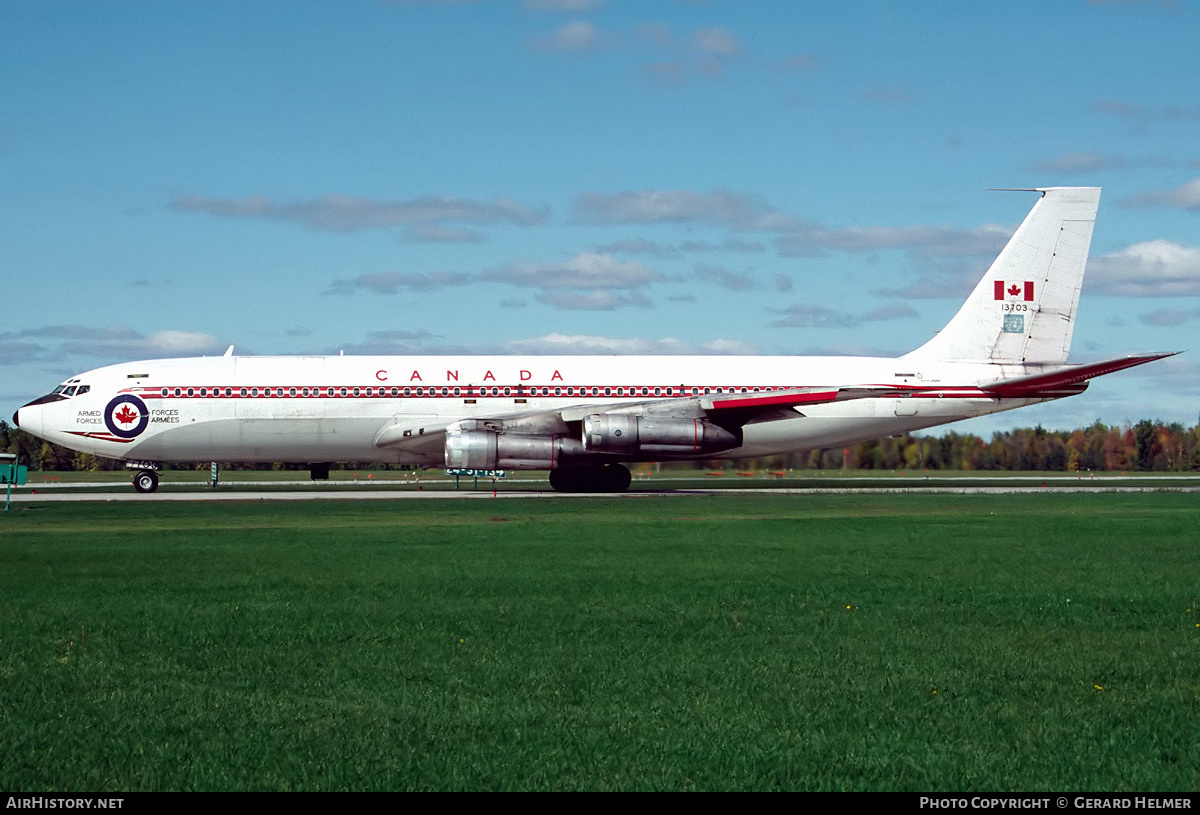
x,y
616,478
560,481
591,478
145,481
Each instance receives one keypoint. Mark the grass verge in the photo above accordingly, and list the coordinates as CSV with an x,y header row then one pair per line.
x,y
937,643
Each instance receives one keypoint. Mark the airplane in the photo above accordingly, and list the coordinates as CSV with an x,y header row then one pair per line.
x,y
584,418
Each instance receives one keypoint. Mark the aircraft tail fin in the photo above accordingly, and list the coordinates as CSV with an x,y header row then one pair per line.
x,y
1023,310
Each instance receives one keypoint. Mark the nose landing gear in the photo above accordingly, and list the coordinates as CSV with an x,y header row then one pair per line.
x,y
145,481
145,477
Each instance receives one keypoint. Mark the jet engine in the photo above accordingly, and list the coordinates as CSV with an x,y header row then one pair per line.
x,y
626,434
482,449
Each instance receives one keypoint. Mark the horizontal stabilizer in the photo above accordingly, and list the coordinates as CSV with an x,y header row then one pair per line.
x,y
1067,378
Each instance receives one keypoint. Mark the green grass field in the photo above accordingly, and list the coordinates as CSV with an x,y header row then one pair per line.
x,y
909,642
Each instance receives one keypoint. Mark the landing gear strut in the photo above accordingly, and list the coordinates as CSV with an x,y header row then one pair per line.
x,y
145,481
591,478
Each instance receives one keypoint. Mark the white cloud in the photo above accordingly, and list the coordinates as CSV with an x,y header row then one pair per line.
x,y
717,41
1156,268
1140,117
1185,196
807,315
435,233
1170,316
640,246
705,52
402,343
574,37
720,276
797,237
122,342
589,281
393,282
343,213
164,343
179,343
927,241
18,352
723,207
586,270
593,300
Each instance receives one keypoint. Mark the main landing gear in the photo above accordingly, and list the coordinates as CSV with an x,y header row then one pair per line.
x,y
591,478
145,481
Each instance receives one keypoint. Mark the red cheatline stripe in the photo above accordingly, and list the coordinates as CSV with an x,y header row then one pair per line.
x,y
726,398
100,436
436,391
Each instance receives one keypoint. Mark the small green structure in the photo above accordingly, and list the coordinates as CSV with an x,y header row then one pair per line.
x,y
11,473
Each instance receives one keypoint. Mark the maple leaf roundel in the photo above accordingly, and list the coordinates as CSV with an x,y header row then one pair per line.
x,y
126,416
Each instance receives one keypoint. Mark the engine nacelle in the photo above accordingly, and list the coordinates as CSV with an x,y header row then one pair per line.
x,y
479,449
626,434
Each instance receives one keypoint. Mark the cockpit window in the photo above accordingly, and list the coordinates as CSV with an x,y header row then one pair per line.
x,y
65,391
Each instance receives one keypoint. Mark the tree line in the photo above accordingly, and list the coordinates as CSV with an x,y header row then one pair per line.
x,y
1147,446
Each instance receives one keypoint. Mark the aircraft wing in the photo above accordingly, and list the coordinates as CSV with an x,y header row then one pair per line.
x,y
715,420
424,437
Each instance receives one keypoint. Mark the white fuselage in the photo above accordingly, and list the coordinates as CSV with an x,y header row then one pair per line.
x,y
338,408
580,417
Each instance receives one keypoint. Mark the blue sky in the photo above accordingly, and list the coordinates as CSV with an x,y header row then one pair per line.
x,y
586,176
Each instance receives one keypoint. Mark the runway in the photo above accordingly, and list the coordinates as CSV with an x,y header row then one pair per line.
x,y
442,489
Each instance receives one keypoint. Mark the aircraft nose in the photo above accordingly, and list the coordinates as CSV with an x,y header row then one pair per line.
x,y
29,418
32,423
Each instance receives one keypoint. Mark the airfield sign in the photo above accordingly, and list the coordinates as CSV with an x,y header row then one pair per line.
x,y
11,473
475,474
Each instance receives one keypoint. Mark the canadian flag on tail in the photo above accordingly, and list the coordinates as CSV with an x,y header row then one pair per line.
x,y
1008,290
